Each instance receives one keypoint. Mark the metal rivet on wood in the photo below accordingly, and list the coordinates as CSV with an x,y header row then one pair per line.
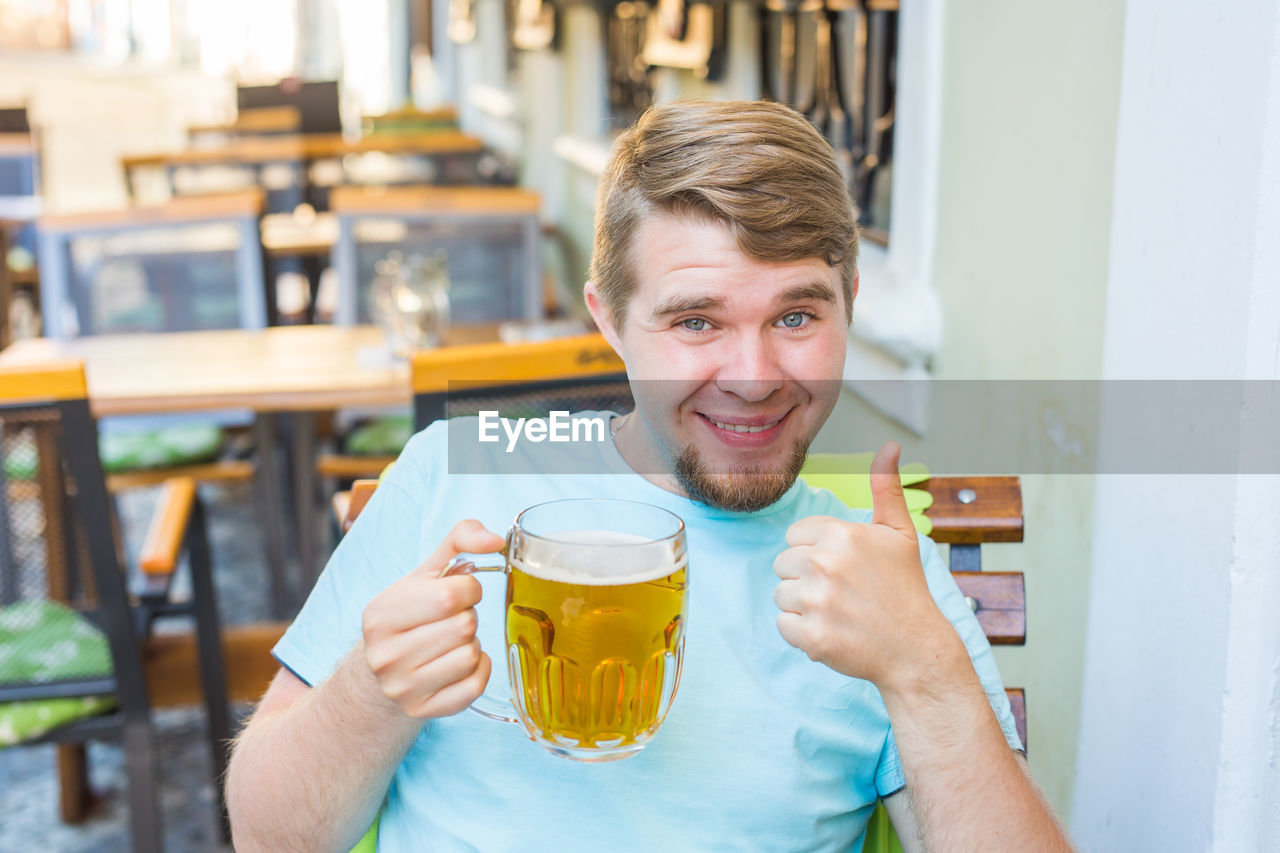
x,y
972,602
966,496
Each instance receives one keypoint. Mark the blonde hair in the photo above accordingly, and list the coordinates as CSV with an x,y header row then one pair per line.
x,y
758,167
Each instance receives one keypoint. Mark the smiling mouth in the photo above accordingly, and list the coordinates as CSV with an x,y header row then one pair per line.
x,y
743,427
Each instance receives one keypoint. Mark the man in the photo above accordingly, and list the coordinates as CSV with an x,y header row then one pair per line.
x,y
724,276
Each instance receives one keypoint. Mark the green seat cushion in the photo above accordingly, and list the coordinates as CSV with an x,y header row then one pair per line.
x,y
880,835
848,477
40,642
166,447
382,437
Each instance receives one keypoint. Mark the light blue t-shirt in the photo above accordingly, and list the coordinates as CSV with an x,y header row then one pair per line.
x,y
763,749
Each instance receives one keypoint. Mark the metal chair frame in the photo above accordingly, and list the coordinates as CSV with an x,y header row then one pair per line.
x,y
126,620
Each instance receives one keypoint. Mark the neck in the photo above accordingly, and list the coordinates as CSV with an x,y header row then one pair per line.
x,y
639,452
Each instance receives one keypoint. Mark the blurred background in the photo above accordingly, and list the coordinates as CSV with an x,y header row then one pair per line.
x,y
1085,191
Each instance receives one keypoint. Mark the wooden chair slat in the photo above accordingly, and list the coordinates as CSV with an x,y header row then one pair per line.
x,y
62,379
220,471
1018,704
351,467
361,492
231,205
994,514
1001,604
168,527
427,200
173,671
495,364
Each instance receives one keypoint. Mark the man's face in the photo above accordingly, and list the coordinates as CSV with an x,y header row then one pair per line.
x,y
734,362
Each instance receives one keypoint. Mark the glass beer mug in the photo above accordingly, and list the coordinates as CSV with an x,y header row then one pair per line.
x,y
595,622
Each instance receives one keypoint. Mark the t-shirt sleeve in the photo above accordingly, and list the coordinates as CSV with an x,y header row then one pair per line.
x,y
950,600
381,547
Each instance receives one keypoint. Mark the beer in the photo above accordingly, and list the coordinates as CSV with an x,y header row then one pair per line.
x,y
595,622
595,649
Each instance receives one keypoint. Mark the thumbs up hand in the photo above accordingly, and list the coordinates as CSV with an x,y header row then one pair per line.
x,y
853,596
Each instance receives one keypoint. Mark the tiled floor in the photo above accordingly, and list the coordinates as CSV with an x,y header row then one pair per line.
x,y
28,787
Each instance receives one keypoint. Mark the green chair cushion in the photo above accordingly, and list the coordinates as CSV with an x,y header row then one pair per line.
x,y
848,476
880,836
382,437
167,447
43,641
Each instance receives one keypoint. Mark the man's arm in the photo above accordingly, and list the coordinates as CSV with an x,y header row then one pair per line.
x,y
902,813
854,597
311,769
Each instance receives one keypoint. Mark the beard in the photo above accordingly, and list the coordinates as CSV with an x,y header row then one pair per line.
x,y
744,489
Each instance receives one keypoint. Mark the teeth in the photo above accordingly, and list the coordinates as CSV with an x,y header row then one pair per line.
x,y
743,427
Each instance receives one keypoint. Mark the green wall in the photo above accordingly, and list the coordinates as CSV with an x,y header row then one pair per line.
x,y
1030,98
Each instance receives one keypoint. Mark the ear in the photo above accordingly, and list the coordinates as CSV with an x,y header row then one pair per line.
x,y
600,314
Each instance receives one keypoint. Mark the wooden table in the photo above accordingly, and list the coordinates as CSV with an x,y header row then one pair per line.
x,y
294,370
300,151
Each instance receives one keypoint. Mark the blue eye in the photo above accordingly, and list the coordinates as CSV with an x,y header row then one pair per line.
x,y
694,324
795,319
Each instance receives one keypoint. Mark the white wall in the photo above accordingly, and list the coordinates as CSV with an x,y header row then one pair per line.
x,y
1179,730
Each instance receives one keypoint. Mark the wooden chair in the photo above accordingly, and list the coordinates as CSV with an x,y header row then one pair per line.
x,y
565,373
252,122
191,264
490,235
194,263
58,553
967,513
316,102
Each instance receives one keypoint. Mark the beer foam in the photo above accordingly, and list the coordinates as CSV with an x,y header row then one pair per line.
x,y
604,566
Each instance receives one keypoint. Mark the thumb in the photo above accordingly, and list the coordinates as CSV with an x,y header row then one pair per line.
x,y
466,537
889,506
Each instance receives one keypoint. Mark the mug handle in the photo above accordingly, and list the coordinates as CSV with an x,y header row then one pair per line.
x,y
485,705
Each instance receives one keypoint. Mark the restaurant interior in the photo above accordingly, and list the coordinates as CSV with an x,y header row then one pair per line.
x,y
248,249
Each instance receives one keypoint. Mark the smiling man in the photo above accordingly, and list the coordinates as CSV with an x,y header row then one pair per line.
x,y
830,660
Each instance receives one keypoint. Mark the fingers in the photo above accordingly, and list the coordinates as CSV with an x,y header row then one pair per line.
x,y
788,596
411,649
466,537
415,691
889,506
791,627
457,696
417,600
791,562
449,668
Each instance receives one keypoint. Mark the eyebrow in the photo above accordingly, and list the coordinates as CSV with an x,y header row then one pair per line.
x,y
816,291
681,304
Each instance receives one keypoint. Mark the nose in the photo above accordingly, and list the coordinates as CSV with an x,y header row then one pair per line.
x,y
751,370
